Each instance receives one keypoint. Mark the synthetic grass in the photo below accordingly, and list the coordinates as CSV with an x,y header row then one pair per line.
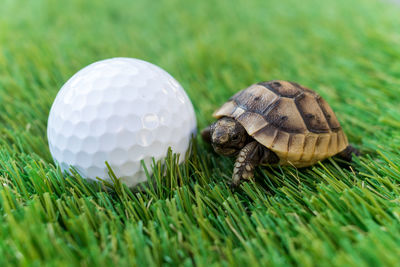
x,y
347,50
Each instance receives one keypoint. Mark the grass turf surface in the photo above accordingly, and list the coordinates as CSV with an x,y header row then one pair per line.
x,y
347,50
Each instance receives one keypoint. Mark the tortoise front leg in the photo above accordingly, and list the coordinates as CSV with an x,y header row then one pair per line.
x,y
250,156
245,163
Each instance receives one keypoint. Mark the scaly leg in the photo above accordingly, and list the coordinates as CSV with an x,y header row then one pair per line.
x,y
347,153
249,157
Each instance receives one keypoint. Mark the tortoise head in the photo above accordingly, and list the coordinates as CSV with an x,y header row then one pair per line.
x,y
227,136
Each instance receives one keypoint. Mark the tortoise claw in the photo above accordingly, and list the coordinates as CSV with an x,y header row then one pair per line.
x,y
234,186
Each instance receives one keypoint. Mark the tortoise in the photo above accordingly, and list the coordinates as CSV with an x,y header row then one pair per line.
x,y
276,122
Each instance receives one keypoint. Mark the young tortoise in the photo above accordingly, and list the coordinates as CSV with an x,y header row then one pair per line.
x,y
276,122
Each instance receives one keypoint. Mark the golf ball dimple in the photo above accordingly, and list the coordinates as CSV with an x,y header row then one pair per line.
x,y
123,111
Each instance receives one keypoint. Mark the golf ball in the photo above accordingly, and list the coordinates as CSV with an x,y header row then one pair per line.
x,y
123,111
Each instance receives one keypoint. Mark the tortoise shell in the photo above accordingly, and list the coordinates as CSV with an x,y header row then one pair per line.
x,y
291,120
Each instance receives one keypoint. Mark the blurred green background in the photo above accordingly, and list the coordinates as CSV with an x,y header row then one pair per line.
x,y
346,50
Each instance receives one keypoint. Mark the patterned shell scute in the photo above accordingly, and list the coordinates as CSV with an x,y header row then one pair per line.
x,y
291,120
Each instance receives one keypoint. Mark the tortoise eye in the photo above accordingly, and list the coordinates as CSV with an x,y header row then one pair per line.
x,y
235,137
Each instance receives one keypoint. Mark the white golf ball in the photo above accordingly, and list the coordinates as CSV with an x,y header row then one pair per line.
x,y
119,110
